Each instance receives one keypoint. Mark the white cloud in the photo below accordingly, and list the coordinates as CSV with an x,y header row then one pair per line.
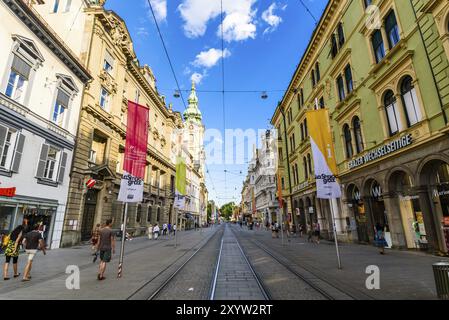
x,y
271,18
142,31
198,77
209,58
238,23
159,8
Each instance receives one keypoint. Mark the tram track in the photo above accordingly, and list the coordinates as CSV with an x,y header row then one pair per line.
x,y
324,287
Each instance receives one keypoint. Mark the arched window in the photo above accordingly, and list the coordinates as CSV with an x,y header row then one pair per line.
x,y
306,133
410,101
296,172
158,219
149,213
306,172
357,134
348,141
309,163
391,108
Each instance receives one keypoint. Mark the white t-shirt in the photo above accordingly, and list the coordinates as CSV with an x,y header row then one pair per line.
x,y
156,229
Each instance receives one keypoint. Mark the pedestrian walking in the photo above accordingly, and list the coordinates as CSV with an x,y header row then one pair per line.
x,y
12,244
164,229
106,246
310,232
95,237
317,232
169,226
150,232
174,229
273,230
156,231
379,240
32,242
276,228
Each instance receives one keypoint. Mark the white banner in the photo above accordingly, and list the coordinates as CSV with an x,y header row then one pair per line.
x,y
326,184
131,189
180,200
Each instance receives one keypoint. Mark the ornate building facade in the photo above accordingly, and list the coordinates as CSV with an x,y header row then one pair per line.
x,y
385,85
102,41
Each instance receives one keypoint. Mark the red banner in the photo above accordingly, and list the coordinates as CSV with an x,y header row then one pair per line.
x,y
131,189
136,140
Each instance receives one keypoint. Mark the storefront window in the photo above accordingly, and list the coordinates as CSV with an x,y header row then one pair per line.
x,y
6,217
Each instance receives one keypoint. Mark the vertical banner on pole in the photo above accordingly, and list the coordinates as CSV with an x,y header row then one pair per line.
x,y
325,164
180,191
131,186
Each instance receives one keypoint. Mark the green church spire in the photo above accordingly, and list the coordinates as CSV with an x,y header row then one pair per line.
x,y
192,113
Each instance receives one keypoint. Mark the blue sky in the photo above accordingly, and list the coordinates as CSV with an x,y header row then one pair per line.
x,y
264,41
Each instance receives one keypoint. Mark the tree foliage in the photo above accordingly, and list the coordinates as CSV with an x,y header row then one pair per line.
x,y
227,210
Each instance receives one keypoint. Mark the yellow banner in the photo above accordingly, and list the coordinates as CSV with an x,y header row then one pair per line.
x,y
180,175
323,153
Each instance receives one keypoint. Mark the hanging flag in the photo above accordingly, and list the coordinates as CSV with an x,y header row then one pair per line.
x,y
180,191
131,187
323,154
281,201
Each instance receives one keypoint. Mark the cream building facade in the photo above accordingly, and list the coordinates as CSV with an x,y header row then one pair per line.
x,y
42,83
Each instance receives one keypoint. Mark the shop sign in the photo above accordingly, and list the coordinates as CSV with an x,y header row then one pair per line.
x,y
7,192
381,151
90,183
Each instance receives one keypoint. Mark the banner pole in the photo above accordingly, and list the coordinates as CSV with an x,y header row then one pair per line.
x,y
335,233
122,245
177,226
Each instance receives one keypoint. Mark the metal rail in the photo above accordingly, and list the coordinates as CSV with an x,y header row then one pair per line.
x,y
167,281
214,283
300,276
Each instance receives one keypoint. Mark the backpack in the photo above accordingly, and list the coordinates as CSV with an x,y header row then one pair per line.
x,y
5,240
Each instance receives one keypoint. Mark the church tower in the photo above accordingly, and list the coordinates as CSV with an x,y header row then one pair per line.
x,y
194,130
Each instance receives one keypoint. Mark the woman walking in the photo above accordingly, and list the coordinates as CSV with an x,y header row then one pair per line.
x,y
12,248
379,238
95,237
150,232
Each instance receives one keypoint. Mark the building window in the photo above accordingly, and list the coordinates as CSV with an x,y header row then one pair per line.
x,y
302,97
392,30
322,105
60,108
108,64
410,101
309,163
51,160
334,47
313,78
341,35
341,88
104,98
150,208
302,131
348,141
56,6
317,71
357,134
68,5
378,45
348,78
282,183
18,79
9,157
393,117
139,213
306,133
306,172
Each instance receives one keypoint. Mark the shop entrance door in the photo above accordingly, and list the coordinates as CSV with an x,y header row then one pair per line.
x,y
90,207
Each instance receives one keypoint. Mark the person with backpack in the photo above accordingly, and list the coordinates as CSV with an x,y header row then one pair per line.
x,y
11,246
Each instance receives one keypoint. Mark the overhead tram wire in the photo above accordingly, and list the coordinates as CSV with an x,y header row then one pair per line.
x,y
223,83
308,10
166,53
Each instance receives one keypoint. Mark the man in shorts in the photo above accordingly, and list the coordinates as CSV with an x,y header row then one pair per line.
x,y
106,246
32,242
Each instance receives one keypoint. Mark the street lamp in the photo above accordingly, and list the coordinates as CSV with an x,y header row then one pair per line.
x,y
176,94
